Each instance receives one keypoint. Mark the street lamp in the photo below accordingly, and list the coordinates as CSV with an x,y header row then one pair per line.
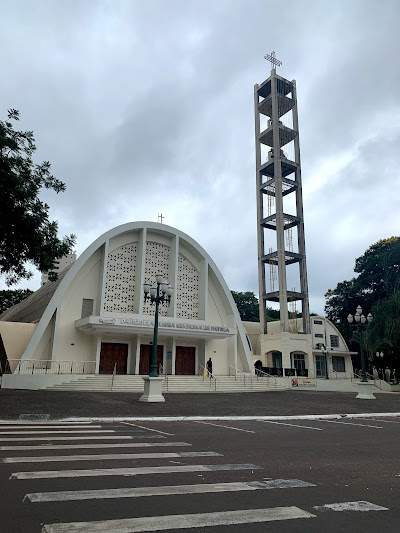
x,y
360,322
161,294
158,295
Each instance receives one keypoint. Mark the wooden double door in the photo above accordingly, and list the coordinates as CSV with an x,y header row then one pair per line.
x,y
185,361
113,354
145,355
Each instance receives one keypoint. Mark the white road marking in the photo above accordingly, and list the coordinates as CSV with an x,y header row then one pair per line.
x,y
106,457
381,420
144,470
351,424
89,437
167,490
81,426
69,432
41,447
222,426
161,523
148,429
293,425
361,506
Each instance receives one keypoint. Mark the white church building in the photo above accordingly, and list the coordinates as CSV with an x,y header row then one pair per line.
x,y
94,319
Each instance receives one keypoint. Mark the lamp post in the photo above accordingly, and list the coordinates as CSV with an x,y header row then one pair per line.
x,y
360,322
158,295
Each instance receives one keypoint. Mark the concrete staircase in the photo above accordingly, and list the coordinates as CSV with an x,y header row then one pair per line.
x,y
187,384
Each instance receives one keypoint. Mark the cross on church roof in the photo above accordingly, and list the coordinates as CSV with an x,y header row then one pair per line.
x,y
161,217
273,59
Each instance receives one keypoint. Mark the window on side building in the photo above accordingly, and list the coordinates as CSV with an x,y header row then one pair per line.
x,y
338,364
334,341
87,307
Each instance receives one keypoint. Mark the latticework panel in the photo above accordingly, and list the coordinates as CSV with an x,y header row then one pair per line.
x,y
120,279
156,262
188,289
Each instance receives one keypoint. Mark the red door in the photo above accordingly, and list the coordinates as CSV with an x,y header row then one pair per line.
x,y
185,361
145,354
113,354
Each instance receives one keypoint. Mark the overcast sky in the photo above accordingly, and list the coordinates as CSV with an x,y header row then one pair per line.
x,y
147,106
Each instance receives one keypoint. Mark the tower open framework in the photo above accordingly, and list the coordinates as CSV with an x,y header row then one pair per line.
x,y
279,186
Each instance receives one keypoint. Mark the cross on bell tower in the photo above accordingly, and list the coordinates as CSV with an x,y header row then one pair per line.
x,y
280,223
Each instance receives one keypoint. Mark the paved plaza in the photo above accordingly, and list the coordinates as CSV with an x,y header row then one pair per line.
x,y
61,404
236,476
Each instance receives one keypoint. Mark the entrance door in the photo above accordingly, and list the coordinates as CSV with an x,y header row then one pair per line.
x,y
320,366
113,354
145,355
185,361
299,363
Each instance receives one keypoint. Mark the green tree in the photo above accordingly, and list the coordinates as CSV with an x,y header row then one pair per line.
x,y
247,304
26,233
375,289
8,297
384,331
378,272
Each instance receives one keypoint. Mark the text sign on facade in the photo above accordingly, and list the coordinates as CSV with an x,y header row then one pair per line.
x,y
163,323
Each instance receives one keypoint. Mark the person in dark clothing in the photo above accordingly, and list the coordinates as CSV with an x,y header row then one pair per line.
x,y
209,366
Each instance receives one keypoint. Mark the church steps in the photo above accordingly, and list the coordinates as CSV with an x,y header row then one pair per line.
x,y
183,384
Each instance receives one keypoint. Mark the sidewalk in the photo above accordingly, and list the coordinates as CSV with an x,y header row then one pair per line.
x,y
62,404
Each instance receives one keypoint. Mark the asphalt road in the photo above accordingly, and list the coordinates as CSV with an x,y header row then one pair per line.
x,y
269,476
62,404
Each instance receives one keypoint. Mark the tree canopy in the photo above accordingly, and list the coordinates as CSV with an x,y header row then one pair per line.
x,y
377,290
8,297
247,304
26,233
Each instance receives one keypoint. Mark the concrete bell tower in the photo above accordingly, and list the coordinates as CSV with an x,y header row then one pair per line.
x,y
280,223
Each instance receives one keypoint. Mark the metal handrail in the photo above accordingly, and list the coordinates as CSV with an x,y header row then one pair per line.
x,y
163,372
202,368
113,375
50,366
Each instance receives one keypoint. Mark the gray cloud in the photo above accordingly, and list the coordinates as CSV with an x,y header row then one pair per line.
x,y
147,106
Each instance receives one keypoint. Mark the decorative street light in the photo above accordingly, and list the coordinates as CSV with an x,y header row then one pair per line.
x,y
161,294
360,322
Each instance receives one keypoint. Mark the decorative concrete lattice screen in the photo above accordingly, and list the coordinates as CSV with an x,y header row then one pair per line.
x,y
187,303
157,262
120,279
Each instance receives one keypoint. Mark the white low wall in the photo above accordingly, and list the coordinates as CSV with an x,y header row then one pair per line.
x,y
35,382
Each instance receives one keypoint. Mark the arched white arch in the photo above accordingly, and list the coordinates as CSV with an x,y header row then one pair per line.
x,y
58,295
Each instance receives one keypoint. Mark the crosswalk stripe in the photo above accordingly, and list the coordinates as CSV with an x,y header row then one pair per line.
x,y
294,425
106,457
361,506
41,447
51,427
148,429
144,470
225,427
89,437
57,432
159,523
166,490
350,424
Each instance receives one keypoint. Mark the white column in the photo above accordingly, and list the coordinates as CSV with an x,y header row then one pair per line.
x,y
103,276
140,270
173,269
137,361
173,356
98,349
203,296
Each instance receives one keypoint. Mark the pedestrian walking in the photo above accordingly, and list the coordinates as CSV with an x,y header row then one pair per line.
x,y
209,367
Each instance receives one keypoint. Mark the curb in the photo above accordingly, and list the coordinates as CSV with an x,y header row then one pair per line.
x,y
197,418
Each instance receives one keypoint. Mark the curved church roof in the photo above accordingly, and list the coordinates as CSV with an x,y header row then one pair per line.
x,y
55,291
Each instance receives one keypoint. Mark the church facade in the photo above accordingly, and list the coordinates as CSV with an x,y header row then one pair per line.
x,y
95,317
